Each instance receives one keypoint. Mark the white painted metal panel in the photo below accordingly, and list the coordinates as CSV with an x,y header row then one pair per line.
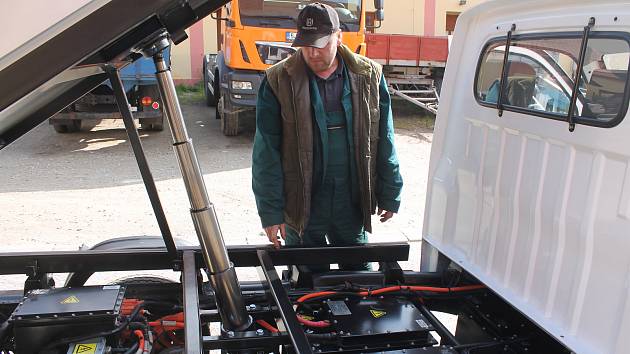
x,y
30,23
539,214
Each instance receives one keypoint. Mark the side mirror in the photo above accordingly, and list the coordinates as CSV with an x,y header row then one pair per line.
x,y
379,14
215,16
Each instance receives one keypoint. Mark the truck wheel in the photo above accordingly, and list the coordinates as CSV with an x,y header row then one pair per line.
x,y
211,100
155,126
229,121
158,127
143,279
73,127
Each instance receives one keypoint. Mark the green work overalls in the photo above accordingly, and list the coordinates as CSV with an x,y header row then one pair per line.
x,y
334,214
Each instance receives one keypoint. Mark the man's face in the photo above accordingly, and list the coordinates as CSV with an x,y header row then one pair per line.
x,y
320,60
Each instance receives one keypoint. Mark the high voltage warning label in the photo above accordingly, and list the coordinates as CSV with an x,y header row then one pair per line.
x,y
70,300
89,348
378,313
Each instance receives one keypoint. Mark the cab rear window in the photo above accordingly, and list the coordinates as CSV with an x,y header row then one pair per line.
x,y
541,71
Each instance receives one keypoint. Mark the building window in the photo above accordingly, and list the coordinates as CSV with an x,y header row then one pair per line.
x,y
540,76
451,19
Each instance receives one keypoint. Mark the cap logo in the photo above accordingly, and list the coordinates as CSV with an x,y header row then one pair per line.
x,y
309,22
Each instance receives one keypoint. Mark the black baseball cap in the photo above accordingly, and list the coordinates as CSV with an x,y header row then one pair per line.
x,y
315,23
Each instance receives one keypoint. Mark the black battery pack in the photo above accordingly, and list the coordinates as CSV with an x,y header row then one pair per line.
x,y
379,323
48,315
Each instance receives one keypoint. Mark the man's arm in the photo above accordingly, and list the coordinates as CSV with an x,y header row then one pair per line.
x,y
390,181
267,178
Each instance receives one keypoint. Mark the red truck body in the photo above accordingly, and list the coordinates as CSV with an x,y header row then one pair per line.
x,y
407,50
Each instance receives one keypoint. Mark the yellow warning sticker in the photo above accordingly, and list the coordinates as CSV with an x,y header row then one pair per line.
x,y
85,348
307,317
70,300
378,313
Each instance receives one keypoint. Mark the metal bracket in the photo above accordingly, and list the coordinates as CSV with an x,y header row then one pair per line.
x,y
285,307
578,73
36,279
141,159
392,271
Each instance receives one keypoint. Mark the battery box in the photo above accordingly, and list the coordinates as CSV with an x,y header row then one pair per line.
x,y
379,323
47,315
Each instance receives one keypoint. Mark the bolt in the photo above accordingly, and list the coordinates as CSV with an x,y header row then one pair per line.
x,y
365,347
388,345
260,332
230,334
335,321
347,299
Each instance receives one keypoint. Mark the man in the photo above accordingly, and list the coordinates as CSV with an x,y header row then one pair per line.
x,y
324,156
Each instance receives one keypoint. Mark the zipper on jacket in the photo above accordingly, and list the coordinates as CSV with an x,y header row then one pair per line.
x,y
297,132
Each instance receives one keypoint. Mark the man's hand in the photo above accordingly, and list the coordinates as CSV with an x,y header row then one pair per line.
x,y
272,234
384,214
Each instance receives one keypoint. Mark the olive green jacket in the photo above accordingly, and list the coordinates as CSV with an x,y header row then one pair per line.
x,y
282,165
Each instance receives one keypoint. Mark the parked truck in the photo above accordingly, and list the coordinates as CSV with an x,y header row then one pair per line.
x,y
255,34
413,65
142,91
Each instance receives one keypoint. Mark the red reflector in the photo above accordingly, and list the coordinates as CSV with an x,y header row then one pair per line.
x,y
155,105
146,101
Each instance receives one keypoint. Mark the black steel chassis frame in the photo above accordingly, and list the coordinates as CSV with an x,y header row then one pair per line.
x,y
189,261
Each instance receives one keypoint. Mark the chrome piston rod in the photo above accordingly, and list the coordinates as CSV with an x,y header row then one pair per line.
x,y
221,272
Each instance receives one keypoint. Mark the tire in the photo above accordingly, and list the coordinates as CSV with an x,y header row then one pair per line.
x,y
229,121
147,279
73,127
211,100
154,127
158,127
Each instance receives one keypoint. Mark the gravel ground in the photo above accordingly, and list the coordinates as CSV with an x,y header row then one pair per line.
x,y
62,191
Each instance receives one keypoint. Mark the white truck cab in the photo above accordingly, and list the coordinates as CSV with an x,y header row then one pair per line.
x,y
529,181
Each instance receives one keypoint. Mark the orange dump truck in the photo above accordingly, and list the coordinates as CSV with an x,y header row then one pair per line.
x,y
255,34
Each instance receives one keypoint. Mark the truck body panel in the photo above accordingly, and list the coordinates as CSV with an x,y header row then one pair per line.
x,y
538,213
407,50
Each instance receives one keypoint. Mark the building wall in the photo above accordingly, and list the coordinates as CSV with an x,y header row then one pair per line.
x,y
445,6
187,56
419,17
401,17
415,17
